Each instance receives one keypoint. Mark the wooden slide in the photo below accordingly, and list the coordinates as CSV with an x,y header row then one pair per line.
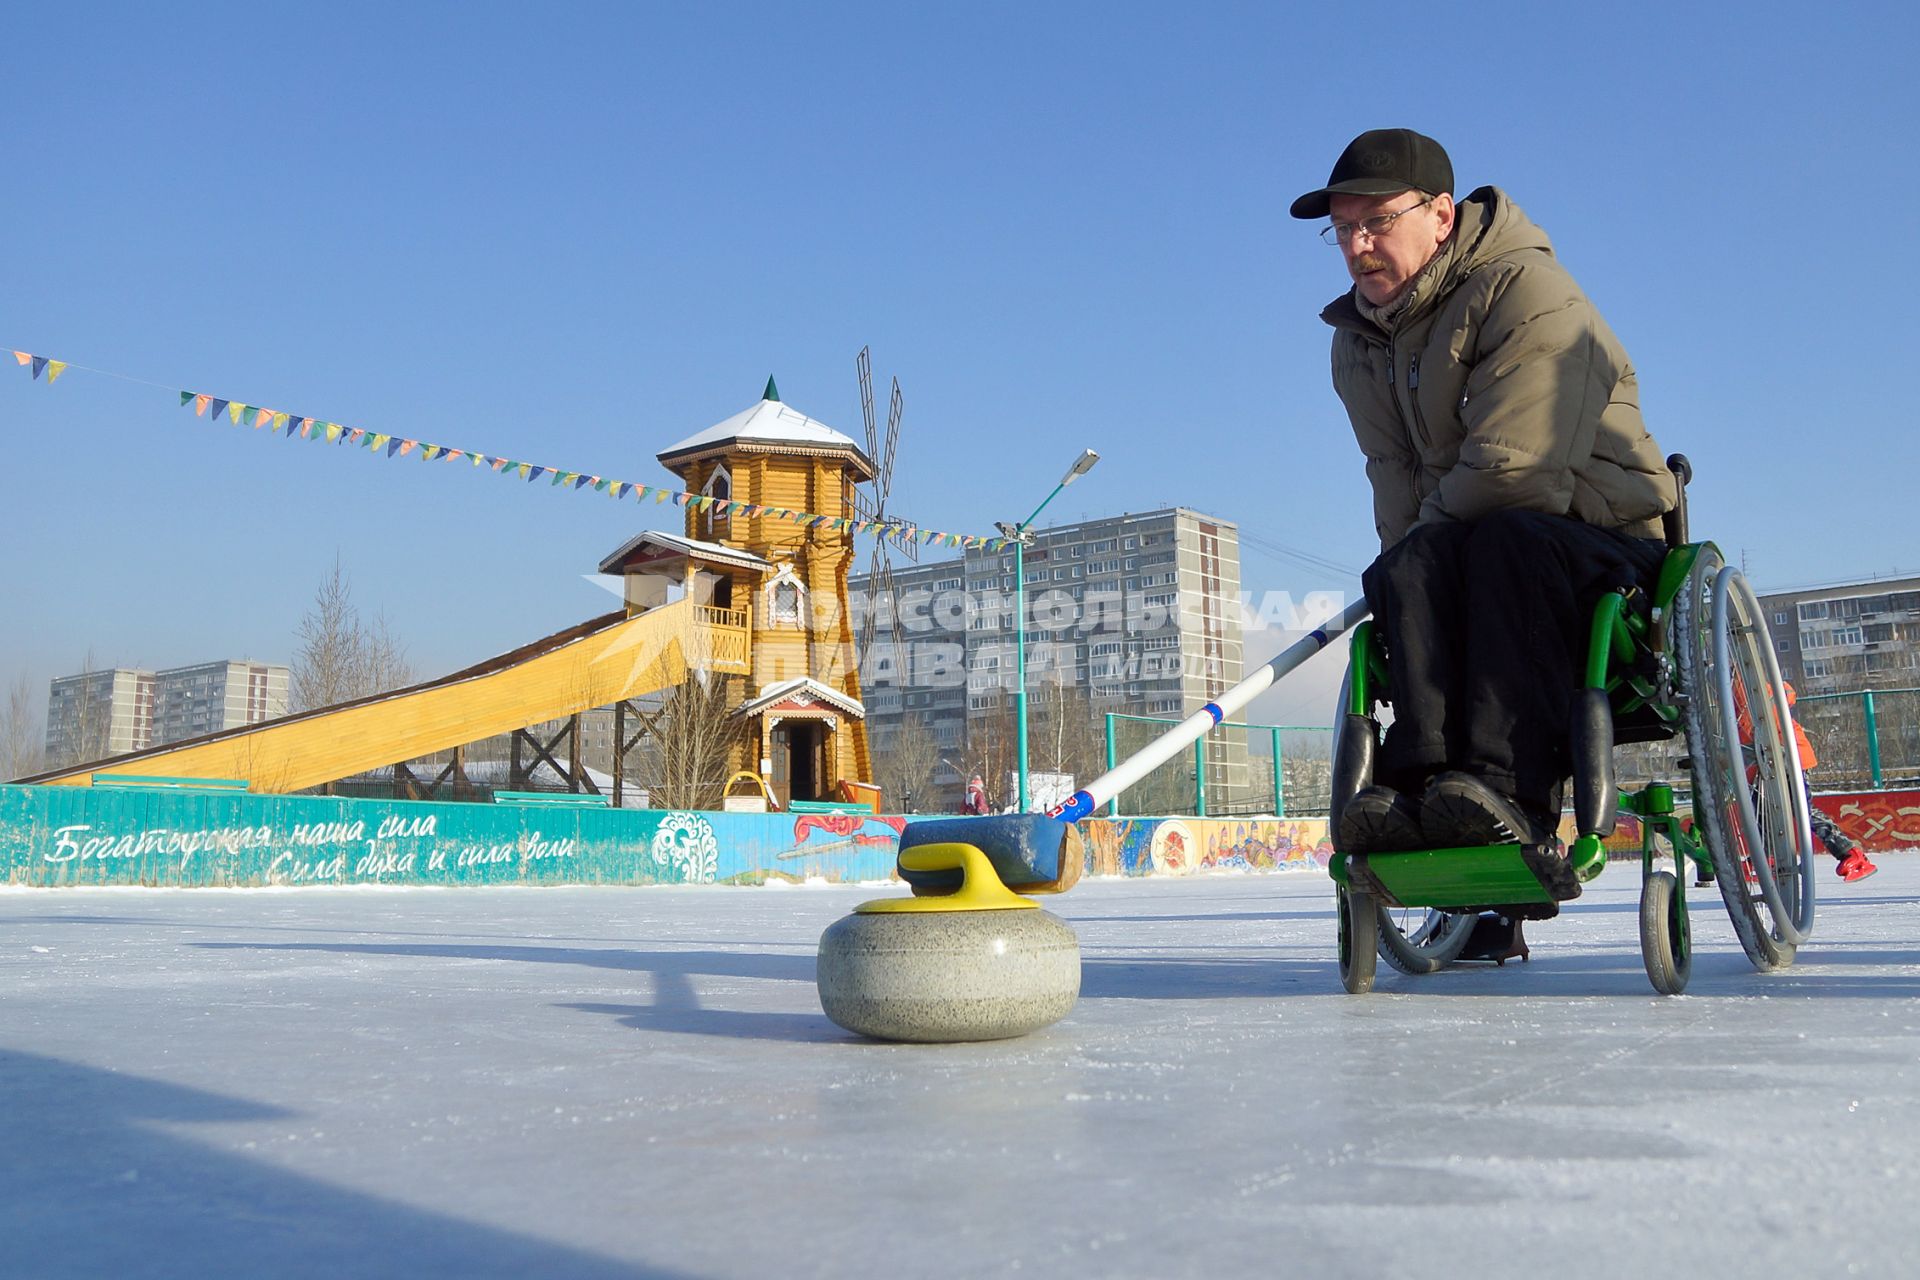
x,y
590,665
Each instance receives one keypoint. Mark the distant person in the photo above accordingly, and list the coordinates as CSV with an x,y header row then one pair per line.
x,y
1852,859
976,798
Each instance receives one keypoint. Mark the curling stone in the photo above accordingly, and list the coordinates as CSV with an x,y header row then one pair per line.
x,y
978,963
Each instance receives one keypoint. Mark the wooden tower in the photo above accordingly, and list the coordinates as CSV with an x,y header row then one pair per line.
x,y
805,725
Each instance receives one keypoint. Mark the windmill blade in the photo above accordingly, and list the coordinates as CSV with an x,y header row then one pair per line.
x,y
880,583
865,365
893,438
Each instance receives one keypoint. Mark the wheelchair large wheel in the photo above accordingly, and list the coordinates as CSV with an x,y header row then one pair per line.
x,y
1749,801
1417,940
1665,945
1359,936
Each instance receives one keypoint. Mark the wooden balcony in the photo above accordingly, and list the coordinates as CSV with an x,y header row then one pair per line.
x,y
721,639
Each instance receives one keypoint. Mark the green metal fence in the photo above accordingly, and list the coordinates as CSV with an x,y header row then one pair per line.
x,y
1238,769
1869,738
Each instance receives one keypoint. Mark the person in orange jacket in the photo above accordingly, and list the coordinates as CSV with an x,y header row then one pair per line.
x,y
1852,859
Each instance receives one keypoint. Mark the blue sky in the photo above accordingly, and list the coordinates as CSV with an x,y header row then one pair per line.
x,y
577,234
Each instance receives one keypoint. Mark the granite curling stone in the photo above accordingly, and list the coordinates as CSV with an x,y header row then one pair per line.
x,y
981,963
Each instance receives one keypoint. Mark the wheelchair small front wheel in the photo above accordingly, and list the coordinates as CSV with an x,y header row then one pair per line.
x,y
1359,937
1666,947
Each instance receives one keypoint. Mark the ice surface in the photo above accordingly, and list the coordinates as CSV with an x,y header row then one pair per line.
x,y
628,1082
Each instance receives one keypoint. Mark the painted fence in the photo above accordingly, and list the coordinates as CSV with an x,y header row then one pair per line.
x,y
1880,821
81,836
55,836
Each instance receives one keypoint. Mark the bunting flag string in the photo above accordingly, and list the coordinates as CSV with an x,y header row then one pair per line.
x,y
291,426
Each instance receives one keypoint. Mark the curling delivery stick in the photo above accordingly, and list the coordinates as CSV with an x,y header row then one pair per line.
x,y
1045,852
1083,802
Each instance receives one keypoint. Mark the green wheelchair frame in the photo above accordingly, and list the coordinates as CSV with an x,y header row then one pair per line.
x,y
1696,661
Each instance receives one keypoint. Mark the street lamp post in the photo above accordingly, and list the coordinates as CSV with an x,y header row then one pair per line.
x,y
1020,536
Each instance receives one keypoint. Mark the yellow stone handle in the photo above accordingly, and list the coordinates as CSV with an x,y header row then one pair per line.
x,y
980,889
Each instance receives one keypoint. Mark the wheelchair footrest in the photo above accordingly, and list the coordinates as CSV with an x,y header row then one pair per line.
x,y
1477,877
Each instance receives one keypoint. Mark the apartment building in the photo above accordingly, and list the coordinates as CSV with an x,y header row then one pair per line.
x,y
1136,614
96,714
1847,636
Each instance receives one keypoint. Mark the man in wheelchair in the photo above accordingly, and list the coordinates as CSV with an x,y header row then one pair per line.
x,y
1514,484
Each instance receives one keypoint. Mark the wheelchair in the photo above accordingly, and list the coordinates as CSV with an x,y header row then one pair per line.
x,y
1693,662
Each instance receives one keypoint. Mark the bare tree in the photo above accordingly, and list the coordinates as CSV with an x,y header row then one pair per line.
x,y
339,658
692,736
384,658
991,751
905,762
1065,734
21,735
87,725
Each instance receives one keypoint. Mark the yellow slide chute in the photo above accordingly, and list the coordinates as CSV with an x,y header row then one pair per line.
x,y
590,665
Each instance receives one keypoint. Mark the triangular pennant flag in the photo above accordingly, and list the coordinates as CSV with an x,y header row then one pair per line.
x,y
280,421
22,359
429,452
39,363
186,397
333,430
200,403
250,415
218,406
499,463
376,440
580,482
659,495
533,473
54,369
522,468
451,454
234,410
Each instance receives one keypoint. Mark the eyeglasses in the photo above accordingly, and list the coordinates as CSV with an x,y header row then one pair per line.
x,y
1372,228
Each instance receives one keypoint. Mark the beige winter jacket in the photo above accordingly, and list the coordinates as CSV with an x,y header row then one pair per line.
x,y
1496,384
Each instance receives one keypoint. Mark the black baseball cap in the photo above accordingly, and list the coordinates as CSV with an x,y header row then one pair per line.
x,y
1381,162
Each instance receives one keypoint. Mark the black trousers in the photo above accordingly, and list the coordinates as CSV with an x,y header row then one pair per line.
x,y
1486,628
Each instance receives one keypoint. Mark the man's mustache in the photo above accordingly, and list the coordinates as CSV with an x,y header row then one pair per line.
x,y
1367,263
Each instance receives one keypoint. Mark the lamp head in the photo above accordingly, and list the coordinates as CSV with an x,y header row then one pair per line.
x,y
1081,465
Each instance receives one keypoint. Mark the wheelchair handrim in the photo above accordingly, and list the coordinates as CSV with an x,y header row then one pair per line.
x,y
1796,924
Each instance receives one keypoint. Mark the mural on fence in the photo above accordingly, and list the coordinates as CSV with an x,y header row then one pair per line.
x,y
1179,846
79,836
59,836
1880,821
55,836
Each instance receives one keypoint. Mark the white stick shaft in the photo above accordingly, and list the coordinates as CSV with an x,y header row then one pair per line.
x,y
1169,744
